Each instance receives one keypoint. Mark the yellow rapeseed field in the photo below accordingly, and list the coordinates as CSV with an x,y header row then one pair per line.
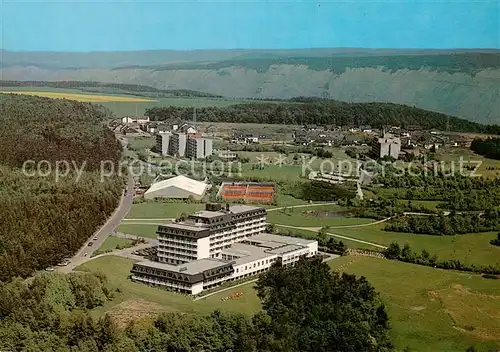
x,y
82,97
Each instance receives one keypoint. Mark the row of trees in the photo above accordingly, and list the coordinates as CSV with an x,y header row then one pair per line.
x,y
323,112
304,308
47,213
439,225
489,147
406,254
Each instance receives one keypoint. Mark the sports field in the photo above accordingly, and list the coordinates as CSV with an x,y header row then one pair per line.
x,y
90,98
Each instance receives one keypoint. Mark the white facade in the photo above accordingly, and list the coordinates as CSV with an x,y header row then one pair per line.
x,y
212,247
162,142
198,148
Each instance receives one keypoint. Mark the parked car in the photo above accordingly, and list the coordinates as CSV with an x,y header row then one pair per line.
x,y
90,244
49,269
95,238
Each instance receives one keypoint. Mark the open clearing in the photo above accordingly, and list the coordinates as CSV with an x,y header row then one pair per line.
x,y
432,309
113,242
91,98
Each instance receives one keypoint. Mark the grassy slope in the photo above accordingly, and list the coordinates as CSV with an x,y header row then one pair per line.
x,y
118,269
431,309
112,242
470,248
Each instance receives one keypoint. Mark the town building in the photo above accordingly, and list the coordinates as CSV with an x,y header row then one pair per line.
x,y
198,147
162,142
218,245
388,145
178,187
227,155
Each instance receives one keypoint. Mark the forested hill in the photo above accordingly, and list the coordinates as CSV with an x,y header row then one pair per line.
x,y
321,112
44,219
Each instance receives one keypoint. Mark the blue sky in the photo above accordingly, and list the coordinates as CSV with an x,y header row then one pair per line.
x,y
141,25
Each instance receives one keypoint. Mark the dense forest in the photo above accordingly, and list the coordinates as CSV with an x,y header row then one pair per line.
x,y
43,217
489,147
323,112
109,88
51,313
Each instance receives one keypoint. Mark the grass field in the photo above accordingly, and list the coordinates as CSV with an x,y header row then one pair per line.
x,y
162,210
112,242
471,248
432,309
83,97
155,300
139,230
313,217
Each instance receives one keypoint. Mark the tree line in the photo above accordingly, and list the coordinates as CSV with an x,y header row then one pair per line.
x,y
304,308
489,147
323,112
453,224
406,254
44,218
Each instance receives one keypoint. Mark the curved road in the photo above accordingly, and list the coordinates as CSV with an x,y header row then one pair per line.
x,y
120,212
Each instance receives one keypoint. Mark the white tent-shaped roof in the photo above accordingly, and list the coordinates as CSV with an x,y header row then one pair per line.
x,y
177,187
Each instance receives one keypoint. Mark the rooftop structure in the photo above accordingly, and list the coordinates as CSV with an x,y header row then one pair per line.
x,y
178,187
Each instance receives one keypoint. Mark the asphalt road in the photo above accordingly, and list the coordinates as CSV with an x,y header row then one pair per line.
x,y
110,226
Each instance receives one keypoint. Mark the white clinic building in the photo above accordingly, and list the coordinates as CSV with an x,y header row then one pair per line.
x,y
218,245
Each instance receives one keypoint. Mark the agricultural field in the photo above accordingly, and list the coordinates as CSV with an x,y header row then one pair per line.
x,y
432,309
83,97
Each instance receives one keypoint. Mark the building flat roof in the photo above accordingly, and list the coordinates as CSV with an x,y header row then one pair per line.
x,y
247,253
187,226
268,237
190,268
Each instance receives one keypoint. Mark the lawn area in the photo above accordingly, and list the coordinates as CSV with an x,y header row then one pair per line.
x,y
432,309
471,248
158,210
112,242
318,216
137,143
139,230
117,270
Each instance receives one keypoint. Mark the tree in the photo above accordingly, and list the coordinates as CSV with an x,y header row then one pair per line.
x,y
393,251
313,309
